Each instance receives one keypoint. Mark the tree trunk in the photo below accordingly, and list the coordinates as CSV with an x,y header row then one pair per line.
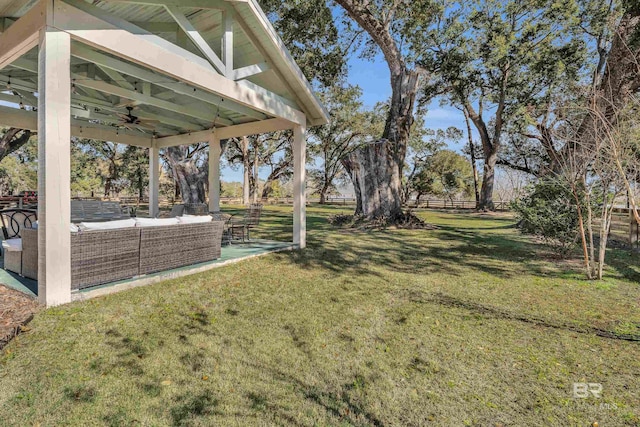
x,y
377,175
354,174
605,227
376,168
191,182
323,193
140,186
488,179
107,187
189,178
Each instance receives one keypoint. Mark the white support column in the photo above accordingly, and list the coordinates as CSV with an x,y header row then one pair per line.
x,y
299,187
154,179
214,172
54,166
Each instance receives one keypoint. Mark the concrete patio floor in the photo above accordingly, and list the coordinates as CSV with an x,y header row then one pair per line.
x,y
230,254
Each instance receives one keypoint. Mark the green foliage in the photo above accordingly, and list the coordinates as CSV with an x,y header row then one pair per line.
x,y
99,167
231,189
84,179
18,171
135,169
277,189
548,210
349,127
424,147
443,174
310,33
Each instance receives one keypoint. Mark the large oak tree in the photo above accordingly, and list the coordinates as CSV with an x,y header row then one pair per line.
x,y
376,169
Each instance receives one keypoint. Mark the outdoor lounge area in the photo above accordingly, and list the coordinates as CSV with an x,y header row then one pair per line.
x,y
148,74
111,251
229,254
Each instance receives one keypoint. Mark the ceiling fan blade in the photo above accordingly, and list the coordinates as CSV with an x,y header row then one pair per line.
x,y
145,126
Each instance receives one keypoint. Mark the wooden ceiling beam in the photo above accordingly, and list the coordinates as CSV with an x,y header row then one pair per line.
x,y
101,59
94,26
23,35
23,119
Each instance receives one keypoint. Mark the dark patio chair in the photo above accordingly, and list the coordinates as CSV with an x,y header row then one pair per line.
x,y
227,230
252,217
14,220
240,228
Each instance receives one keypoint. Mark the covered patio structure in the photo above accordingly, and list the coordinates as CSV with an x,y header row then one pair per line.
x,y
148,73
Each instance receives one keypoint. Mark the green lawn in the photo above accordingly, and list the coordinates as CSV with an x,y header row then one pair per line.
x,y
470,324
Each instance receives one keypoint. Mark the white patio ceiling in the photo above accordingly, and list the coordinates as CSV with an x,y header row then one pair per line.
x,y
232,39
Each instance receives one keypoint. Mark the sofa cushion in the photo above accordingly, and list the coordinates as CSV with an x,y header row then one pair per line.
x,y
12,245
74,228
197,219
155,222
109,225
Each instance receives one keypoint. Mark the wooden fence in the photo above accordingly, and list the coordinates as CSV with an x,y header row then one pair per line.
x,y
624,228
500,205
17,202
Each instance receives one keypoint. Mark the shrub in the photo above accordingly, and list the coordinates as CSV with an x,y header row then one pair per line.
x,y
548,210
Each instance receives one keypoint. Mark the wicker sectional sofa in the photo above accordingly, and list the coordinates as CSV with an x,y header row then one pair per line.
x,y
105,256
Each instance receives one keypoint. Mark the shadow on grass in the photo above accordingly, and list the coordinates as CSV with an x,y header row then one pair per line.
x,y
340,403
625,263
477,241
448,249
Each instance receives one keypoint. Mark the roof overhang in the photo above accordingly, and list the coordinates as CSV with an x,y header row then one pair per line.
x,y
154,69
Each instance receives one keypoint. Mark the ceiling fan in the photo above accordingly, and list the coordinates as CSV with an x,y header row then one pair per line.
x,y
131,122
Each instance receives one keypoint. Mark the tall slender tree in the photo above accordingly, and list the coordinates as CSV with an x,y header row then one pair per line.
x,y
268,151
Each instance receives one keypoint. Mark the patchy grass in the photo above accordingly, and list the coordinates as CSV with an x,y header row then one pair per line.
x,y
396,327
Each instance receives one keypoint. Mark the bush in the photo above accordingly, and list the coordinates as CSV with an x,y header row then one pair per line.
x,y
548,210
